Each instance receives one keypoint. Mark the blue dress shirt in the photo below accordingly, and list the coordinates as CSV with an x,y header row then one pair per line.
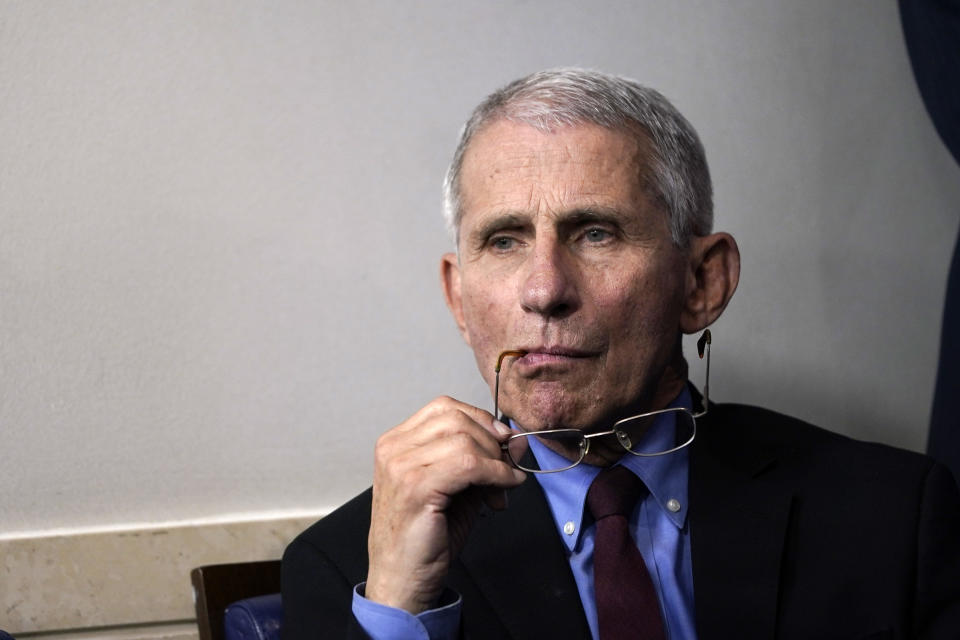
x,y
658,525
389,623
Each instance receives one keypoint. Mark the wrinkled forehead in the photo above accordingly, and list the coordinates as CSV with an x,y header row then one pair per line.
x,y
518,168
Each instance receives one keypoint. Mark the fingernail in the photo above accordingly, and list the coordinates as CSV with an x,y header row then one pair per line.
x,y
501,428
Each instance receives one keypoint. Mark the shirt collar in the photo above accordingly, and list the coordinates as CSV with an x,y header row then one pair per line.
x,y
665,476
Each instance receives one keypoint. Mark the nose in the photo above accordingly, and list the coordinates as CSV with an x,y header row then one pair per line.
x,y
548,286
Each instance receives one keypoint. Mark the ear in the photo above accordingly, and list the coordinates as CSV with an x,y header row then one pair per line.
x,y
450,280
714,272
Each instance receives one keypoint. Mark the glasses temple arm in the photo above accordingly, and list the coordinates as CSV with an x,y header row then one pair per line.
x,y
496,369
703,344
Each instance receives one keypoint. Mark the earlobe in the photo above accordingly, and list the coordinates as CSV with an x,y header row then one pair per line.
x,y
450,281
711,281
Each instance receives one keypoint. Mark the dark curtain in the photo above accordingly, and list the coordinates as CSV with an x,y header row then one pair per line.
x,y
932,31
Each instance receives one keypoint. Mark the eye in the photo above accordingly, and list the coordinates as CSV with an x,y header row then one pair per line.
x,y
596,235
503,243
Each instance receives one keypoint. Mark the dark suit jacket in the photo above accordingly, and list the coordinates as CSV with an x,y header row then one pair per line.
x,y
796,533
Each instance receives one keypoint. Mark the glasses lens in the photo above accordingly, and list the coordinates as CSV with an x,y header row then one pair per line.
x,y
569,444
649,434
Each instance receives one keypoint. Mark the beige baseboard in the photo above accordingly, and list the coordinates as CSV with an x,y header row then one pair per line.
x,y
156,631
131,584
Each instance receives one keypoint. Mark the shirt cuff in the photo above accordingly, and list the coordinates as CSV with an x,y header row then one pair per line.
x,y
381,622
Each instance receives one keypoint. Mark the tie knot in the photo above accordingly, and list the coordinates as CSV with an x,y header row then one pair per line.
x,y
614,492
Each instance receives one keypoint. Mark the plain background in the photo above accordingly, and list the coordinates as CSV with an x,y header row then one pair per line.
x,y
220,230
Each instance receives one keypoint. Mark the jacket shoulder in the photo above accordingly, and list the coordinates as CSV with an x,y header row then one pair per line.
x,y
341,536
320,568
730,429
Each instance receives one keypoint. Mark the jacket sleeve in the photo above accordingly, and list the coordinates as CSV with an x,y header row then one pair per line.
x,y
317,596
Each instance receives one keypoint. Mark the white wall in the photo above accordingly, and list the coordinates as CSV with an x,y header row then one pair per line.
x,y
219,229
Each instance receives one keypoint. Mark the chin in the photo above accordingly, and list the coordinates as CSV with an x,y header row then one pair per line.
x,y
551,413
549,405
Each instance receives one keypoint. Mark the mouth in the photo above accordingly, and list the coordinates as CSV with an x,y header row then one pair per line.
x,y
554,355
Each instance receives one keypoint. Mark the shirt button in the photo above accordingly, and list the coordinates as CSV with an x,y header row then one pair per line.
x,y
673,504
569,527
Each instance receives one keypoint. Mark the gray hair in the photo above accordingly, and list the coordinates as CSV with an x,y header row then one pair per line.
x,y
556,98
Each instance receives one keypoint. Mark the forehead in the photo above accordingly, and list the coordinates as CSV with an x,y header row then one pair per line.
x,y
518,168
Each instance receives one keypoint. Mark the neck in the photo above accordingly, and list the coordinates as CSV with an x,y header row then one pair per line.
x,y
671,382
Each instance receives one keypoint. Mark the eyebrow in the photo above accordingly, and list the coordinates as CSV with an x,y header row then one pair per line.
x,y
565,221
499,222
586,215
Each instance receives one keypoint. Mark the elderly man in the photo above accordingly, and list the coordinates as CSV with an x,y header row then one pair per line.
x,y
582,209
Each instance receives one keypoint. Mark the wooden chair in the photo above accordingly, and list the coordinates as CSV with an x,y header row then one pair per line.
x,y
218,585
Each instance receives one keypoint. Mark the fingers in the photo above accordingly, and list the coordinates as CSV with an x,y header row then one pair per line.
x,y
449,464
450,459
453,426
432,475
439,452
445,406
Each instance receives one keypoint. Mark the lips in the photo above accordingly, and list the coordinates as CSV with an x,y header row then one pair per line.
x,y
537,356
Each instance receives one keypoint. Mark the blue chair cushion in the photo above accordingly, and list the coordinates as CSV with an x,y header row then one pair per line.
x,y
257,618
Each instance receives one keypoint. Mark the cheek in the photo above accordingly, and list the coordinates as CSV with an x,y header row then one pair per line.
x,y
642,307
483,314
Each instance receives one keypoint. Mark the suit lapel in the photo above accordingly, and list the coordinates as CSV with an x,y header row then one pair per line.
x,y
739,515
520,566
738,518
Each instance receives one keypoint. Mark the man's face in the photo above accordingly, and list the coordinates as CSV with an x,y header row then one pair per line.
x,y
564,255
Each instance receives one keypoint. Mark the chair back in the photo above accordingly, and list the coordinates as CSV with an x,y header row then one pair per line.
x,y
218,586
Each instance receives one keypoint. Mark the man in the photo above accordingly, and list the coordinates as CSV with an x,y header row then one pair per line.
x,y
582,209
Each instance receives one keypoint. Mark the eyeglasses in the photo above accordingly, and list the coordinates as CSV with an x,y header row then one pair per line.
x,y
575,444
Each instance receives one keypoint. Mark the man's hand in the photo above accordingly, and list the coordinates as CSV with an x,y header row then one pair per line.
x,y
432,474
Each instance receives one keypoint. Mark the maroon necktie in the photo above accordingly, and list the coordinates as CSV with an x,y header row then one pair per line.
x,y
627,605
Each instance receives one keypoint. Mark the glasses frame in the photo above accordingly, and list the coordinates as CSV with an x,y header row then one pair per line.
x,y
623,438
